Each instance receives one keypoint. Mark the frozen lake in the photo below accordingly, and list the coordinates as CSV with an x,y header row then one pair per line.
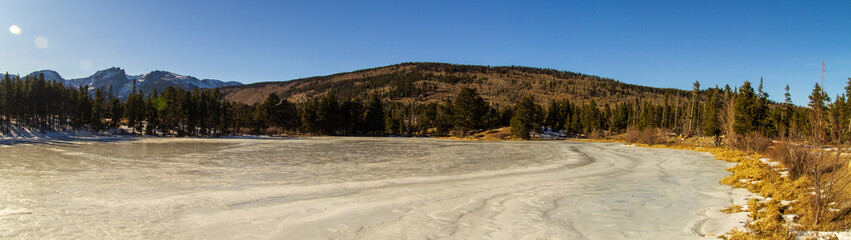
x,y
357,188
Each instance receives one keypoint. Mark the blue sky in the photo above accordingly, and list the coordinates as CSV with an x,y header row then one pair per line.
x,y
653,43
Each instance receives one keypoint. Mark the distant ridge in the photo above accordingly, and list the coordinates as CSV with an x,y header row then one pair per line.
x,y
434,82
3,74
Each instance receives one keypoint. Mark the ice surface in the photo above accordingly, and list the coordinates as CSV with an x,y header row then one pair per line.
x,y
358,188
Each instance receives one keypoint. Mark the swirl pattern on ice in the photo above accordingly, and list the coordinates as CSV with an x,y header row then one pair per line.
x,y
358,188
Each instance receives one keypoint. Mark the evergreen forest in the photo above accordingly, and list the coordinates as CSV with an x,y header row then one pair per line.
x,y
730,111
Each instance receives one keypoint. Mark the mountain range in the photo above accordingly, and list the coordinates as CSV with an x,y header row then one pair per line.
x,y
420,82
122,84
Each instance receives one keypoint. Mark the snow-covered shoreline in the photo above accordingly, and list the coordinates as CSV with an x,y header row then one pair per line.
x,y
18,134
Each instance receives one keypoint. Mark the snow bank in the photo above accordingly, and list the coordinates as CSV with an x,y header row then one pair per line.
x,y
18,133
547,133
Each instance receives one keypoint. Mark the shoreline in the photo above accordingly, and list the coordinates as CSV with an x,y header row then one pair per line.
x,y
714,222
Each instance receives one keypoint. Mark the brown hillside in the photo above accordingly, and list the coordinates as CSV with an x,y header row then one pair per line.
x,y
430,82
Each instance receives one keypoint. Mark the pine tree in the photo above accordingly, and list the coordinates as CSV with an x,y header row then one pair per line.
x,y
839,119
286,115
470,110
445,117
327,115
309,117
694,109
375,116
84,108
746,114
590,117
351,116
266,113
764,122
710,114
98,110
786,114
115,110
818,100
526,117
555,116
848,104
4,113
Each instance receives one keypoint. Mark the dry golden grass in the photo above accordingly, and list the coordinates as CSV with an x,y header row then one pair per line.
x,y
499,134
734,208
594,140
757,177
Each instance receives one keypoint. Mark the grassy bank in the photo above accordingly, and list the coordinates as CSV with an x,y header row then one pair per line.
x,y
785,180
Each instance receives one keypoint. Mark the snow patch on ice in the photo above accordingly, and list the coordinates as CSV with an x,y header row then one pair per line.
x,y
20,133
10,210
548,133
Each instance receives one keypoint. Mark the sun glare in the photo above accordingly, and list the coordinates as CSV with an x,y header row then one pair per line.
x,y
14,29
41,42
85,64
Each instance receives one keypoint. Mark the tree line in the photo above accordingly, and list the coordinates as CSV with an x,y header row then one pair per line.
x,y
34,102
733,112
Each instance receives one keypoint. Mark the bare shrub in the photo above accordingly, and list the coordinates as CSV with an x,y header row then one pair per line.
x,y
727,117
827,202
737,142
796,159
759,143
753,142
649,136
631,135
596,134
646,136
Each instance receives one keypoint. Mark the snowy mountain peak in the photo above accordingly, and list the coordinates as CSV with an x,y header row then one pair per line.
x,y
166,75
109,72
215,83
121,84
49,75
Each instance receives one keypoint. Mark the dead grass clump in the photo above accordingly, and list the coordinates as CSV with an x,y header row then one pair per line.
x,y
782,188
631,136
727,155
647,136
596,134
747,174
794,158
754,142
825,202
769,222
734,208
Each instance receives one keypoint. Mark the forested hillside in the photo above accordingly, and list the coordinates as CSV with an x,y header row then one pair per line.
x,y
419,99
434,82
49,105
